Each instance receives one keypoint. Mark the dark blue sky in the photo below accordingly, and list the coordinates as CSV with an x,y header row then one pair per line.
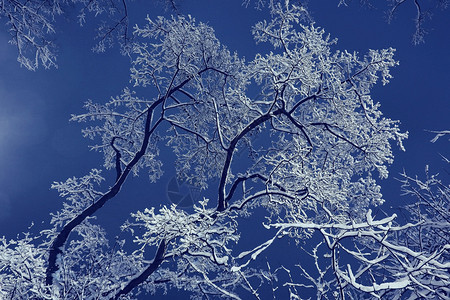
x,y
38,145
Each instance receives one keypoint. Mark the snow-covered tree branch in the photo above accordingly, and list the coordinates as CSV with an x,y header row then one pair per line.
x,y
423,12
32,25
317,144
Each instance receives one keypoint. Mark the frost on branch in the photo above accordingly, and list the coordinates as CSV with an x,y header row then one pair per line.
x,y
79,194
326,130
200,243
316,141
122,132
31,24
22,268
432,210
365,257
202,232
327,136
90,265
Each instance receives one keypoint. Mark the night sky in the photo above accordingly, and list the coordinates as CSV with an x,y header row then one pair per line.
x,y
38,145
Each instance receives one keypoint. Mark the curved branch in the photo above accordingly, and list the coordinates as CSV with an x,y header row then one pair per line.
x,y
327,128
221,205
262,194
61,238
159,258
118,157
233,188
258,121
